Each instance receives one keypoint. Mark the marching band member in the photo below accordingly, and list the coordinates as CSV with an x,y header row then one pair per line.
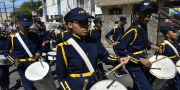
x,y
4,69
170,34
62,36
70,67
96,30
117,32
43,34
134,43
19,55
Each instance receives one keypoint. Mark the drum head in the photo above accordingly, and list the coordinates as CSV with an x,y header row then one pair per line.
x,y
178,66
36,71
102,85
54,49
43,54
166,66
52,53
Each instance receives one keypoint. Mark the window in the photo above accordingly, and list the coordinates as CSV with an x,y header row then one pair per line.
x,y
115,11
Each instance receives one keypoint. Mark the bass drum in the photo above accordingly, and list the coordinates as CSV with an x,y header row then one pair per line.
x,y
40,74
163,70
178,66
108,85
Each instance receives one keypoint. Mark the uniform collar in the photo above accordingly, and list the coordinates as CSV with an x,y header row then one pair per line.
x,y
37,28
140,22
171,41
96,28
76,36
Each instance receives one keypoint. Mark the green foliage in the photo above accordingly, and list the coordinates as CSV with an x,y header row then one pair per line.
x,y
25,8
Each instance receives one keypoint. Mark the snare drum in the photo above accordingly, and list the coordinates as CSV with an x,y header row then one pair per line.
x,y
43,57
51,55
163,69
40,76
4,61
178,66
108,85
54,49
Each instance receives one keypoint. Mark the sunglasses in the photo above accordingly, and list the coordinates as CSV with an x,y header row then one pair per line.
x,y
83,23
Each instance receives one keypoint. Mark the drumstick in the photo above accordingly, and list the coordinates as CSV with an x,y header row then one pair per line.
x,y
177,66
115,68
85,84
158,59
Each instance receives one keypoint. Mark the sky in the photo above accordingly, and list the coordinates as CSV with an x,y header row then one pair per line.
x,y
9,4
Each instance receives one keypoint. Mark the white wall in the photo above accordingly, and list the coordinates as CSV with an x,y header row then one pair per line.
x,y
67,5
52,7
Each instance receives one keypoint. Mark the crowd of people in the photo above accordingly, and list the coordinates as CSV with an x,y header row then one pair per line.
x,y
25,46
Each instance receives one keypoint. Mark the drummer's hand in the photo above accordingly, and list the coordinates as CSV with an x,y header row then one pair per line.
x,y
17,62
37,55
145,62
125,60
43,44
158,49
114,44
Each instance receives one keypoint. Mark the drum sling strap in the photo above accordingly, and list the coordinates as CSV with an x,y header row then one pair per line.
x,y
175,50
82,54
24,45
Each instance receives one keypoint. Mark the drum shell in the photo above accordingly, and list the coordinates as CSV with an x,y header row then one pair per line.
x,y
47,83
39,74
50,56
160,84
102,85
4,61
44,57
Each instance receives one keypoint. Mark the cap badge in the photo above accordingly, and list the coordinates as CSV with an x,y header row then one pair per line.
x,y
82,12
146,3
25,19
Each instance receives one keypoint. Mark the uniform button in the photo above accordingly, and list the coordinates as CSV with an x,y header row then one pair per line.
x,y
87,53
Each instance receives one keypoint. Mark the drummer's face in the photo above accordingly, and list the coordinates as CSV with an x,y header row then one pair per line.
x,y
79,28
172,34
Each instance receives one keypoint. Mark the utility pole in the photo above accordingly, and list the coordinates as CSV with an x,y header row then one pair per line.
x,y
5,11
13,11
44,9
1,15
32,9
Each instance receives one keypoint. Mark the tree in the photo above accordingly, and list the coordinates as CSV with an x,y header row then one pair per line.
x,y
25,8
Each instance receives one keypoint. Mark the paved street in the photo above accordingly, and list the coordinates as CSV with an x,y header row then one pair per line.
x,y
15,83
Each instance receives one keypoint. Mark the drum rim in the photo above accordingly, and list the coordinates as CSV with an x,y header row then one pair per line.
x,y
51,51
178,67
106,80
160,76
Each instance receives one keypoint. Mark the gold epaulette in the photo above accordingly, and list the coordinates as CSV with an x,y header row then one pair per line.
x,y
130,30
162,46
12,40
91,28
30,30
63,51
90,31
115,26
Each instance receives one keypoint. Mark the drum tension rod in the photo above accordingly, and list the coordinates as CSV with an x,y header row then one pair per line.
x,y
156,68
110,84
